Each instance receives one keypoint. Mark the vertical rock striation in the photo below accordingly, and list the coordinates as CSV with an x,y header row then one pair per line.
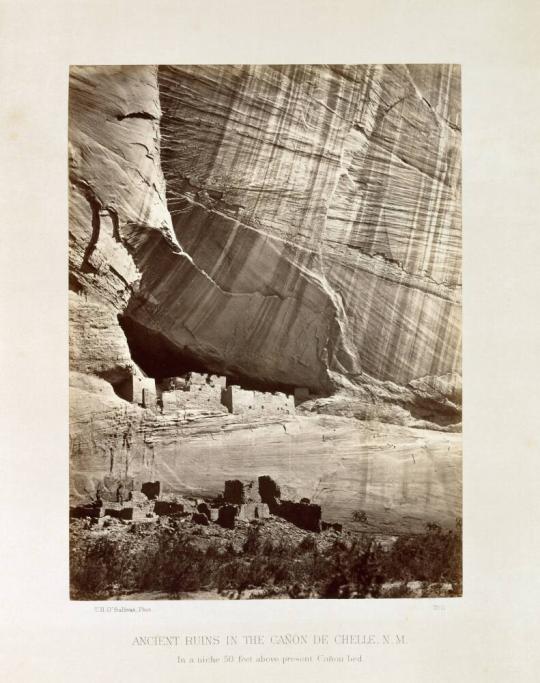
x,y
116,190
320,206
287,225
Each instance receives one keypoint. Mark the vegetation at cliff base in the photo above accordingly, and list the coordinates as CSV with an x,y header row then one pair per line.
x,y
270,558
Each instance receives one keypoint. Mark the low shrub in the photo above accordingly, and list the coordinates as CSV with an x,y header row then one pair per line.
x,y
176,560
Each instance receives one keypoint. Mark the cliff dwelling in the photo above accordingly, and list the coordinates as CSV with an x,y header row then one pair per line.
x,y
199,391
193,386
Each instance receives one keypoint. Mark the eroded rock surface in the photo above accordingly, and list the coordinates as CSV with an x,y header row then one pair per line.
x,y
289,226
321,210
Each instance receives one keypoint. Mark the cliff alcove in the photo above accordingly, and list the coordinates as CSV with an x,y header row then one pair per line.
x,y
157,357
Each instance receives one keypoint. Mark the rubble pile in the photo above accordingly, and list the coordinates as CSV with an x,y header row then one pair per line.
x,y
241,501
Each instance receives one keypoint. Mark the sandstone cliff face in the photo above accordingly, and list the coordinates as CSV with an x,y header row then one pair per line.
x,y
320,207
116,188
291,226
401,477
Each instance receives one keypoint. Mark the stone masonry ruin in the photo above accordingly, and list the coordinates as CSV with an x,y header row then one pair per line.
x,y
138,388
241,501
196,391
200,391
242,402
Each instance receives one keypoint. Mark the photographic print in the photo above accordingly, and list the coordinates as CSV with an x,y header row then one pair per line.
x,y
265,331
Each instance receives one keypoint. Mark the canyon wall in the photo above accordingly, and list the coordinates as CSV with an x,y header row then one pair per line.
x,y
400,477
287,226
322,207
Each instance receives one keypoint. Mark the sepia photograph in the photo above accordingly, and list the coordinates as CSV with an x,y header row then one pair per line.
x,y
265,379
251,252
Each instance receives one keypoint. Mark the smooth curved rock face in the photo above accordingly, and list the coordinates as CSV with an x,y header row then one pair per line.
x,y
116,187
319,208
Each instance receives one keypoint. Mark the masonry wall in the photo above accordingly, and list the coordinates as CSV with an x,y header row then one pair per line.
x,y
209,392
257,403
197,392
138,389
147,387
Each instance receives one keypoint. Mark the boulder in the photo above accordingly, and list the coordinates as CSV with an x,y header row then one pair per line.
x,y
204,509
335,526
211,513
199,518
